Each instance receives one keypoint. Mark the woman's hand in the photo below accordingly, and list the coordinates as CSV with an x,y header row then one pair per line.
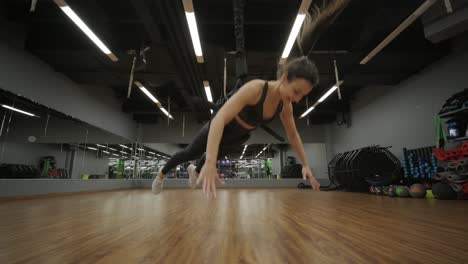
x,y
307,173
209,175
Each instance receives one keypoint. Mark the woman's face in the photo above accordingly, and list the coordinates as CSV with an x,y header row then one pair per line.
x,y
295,89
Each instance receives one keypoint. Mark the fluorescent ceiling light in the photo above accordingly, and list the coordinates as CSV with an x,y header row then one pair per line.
x,y
166,113
77,20
18,110
102,146
92,148
330,91
115,154
408,21
308,111
141,149
292,37
151,152
208,92
113,149
107,152
192,23
262,150
142,88
123,146
334,87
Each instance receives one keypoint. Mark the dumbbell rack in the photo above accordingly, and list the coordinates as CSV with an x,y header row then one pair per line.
x,y
419,165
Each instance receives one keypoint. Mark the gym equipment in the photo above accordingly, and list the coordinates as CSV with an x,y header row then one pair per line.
x,y
443,191
119,171
359,169
379,190
292,169
456,127
455,102
47,166
417,190
402,191
304,186
429,194
419,165
17,171
266,170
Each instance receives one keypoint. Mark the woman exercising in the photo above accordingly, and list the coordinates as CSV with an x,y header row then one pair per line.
x,y
255,103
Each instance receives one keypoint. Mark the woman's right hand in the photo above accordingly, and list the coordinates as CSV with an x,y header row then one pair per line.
x,y
209,176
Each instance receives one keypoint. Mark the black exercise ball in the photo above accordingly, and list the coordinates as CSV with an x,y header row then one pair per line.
x,y
443,191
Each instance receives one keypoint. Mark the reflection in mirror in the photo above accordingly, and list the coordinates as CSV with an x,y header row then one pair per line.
x,y
38,142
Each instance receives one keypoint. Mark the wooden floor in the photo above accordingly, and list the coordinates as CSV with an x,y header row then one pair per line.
x,y
241,226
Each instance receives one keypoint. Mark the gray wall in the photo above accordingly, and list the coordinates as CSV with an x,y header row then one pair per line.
x,y
30,153
88,163
402,115
22,73
172,133
316,156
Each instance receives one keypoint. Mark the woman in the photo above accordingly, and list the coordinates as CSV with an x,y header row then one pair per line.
x,y
257,102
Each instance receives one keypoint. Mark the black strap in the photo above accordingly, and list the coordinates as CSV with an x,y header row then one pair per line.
x,y
264,93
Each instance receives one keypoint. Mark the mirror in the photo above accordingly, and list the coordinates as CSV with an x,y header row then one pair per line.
x,y
38,142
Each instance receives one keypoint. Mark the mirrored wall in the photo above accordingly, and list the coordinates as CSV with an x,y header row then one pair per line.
x,y
38,142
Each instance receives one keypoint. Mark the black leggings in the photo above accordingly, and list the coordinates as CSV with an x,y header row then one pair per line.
x,y
234,135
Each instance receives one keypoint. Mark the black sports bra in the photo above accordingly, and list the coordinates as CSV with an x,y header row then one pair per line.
x,y
253,114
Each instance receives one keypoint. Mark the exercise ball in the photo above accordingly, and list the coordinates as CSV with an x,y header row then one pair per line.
x,y
417,190
402,191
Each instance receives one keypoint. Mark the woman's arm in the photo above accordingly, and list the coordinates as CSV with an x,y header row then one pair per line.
x,y
291,132
248,94
296,142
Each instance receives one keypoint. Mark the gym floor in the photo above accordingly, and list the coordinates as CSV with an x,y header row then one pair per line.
x,y
240,226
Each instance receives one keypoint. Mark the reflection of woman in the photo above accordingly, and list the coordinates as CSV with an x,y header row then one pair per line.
x,y
258,102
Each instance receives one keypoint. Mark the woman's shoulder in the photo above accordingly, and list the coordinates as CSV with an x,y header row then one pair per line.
x,y
256,82
252,90
255,85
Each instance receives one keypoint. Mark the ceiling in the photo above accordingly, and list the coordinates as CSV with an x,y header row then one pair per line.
x,y
172,72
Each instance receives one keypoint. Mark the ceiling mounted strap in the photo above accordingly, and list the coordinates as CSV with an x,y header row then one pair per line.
x,y
241,61
168,110
337,80
33,6
448,6
130,82
183,125
46,125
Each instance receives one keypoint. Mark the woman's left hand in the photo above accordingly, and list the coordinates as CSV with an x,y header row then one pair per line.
x,y
307,174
